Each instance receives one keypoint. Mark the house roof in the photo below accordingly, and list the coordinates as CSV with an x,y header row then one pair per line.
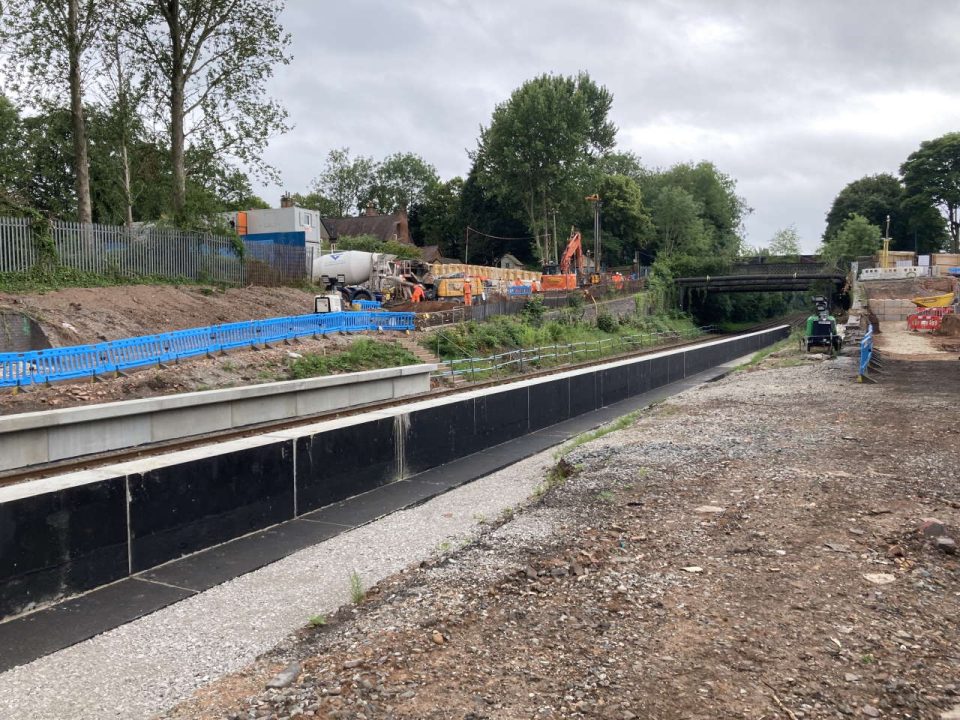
x,y
431,254
382,227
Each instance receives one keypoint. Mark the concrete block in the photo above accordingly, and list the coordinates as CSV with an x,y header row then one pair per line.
x,y
22,449
263,409
171,424
72,441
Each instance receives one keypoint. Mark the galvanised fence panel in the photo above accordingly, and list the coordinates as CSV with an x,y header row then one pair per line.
x,y
20,369
138,252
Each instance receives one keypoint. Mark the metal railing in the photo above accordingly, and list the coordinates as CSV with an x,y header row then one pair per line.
x,y
558,353
150,252
91,361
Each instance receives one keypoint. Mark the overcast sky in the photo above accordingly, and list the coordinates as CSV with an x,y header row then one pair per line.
x,y
792,99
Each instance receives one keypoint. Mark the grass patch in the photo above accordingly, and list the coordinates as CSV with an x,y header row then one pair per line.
x,y
356,588
318,620
791,343
503,333
619,424
363,354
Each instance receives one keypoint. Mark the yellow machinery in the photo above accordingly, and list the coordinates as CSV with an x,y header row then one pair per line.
x,y
934,301
451,288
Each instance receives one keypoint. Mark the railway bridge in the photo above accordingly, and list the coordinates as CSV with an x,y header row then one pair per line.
x,y
773,277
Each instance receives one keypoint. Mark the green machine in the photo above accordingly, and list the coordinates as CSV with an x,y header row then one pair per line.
x,y
821,330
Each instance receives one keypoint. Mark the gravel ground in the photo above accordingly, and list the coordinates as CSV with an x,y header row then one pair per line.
x,y
146,666
777,544
759,547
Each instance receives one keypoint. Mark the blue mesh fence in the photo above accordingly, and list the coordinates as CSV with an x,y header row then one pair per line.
x,y
91,360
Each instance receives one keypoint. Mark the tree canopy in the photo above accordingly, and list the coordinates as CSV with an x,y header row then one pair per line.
x,y
785,242
932,175
529,155
856,237
913,225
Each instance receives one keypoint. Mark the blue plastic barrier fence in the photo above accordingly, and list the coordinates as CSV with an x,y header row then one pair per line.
x,y
517,290
91,360
866,352
367,304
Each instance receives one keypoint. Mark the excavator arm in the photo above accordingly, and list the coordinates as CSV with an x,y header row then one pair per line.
x,y
573,250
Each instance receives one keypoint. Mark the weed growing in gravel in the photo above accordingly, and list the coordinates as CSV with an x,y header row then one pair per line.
x,y
318,620
791,343
618,424
506,515
479,518
556,476
443,547
605,496
356,588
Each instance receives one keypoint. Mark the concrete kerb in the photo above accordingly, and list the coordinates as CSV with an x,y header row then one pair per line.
x,y
38,437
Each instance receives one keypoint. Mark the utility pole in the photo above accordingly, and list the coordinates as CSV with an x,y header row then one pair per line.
x,y
466,246
595,199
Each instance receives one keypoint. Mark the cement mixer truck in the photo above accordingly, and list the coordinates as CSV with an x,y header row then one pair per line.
x,y
361,275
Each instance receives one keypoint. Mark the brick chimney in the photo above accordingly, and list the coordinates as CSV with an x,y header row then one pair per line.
x,y
371,209
286,201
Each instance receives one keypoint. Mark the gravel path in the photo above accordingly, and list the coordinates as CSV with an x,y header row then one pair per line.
x,y
139,669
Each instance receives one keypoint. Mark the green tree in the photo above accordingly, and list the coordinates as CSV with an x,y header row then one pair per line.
x,y
48,178
626,224
676,217
47,43
12,156
207,64
495,232
719,208
401,181
438,219
529,157
856,237
347,182
932,174
785,243
315,201
914,224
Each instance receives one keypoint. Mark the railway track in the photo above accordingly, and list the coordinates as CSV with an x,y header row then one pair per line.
x,y
89,462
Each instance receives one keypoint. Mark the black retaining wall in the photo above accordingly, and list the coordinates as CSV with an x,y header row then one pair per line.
x,y
71,540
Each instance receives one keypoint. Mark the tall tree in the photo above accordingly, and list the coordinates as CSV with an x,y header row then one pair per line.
x,y
438,218
402,180
208,63
627,227
932,174
785,242
855,238
914,224
720,209
347,182
529,156
50,40
676,216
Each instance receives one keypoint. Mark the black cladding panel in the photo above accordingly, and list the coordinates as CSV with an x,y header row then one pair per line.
x,y
62,543
342,462
549,403
584,395
435,436
659,372
614,384
182,508
501,417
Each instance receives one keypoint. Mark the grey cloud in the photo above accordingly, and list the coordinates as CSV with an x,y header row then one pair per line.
x,y
755,84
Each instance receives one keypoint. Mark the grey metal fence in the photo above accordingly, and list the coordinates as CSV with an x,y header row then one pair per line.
x,y
138,252
271,264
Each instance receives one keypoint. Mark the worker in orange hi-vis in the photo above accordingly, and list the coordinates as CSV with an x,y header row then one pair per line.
x,y
467,292
535,286
418,294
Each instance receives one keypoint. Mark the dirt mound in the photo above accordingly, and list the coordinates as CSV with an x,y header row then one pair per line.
x,y
75,316
950,327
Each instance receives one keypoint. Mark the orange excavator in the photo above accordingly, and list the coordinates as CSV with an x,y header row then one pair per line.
x,y
558,276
